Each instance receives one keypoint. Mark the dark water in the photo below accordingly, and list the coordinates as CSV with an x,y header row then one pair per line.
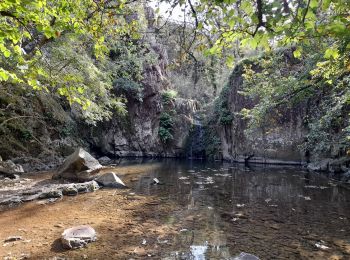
x,y
222,210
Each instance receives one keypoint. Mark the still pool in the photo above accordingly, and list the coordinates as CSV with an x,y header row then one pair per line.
x,y
200,210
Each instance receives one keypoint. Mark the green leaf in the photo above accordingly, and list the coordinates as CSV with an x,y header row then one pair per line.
x,y
6,53
230,61
325,4
313,3
4,76
331,53
297,52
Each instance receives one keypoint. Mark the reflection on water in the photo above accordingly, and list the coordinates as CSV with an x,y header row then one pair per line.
x,y
198,252
224,209
201,211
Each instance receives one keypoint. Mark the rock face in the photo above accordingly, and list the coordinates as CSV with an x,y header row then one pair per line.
x,y
111,180
277,143
77,237
137,135
79,166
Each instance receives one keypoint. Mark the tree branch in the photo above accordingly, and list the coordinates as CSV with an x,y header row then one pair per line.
x,y
306,11
259,6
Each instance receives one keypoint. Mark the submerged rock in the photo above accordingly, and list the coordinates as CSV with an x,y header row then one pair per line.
x,y
79,166
346,177
111,180
156,182
77,237
245,256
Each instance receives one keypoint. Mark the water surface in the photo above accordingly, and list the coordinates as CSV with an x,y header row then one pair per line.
x,y
200,211
272,212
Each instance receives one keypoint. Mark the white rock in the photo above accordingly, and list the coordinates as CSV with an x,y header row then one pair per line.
x,y
77,237
246,256
110,179
322,247
156,181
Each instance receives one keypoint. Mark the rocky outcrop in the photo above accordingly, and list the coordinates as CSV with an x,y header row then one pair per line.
x,y
137,133
277,142
48,192
79,166
286,135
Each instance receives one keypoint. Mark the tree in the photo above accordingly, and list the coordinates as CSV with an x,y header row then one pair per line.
x,y
267,24
26,26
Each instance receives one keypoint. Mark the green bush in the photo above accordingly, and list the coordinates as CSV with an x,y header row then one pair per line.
x,y
165,134
221,110
168,96
26,135
166,123
129,88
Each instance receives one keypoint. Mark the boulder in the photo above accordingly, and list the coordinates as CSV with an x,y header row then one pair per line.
x,y
77,237
104,160
6,174
9,169
111,180
89,186
79,166
70,190
10,166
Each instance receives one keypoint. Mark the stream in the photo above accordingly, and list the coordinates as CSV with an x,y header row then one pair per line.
x,y
200,210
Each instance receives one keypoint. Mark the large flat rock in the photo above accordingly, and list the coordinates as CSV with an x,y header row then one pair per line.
x,y
79,166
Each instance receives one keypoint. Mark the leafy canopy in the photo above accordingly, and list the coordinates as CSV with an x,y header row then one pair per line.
x,y
26,26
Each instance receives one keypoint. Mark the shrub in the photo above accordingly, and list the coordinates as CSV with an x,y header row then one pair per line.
x,y
168,96
166,123
129,88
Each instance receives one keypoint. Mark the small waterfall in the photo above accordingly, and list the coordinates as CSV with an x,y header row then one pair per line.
x,y
196,141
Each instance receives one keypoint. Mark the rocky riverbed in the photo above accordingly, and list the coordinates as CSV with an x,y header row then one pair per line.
x,y
201,211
